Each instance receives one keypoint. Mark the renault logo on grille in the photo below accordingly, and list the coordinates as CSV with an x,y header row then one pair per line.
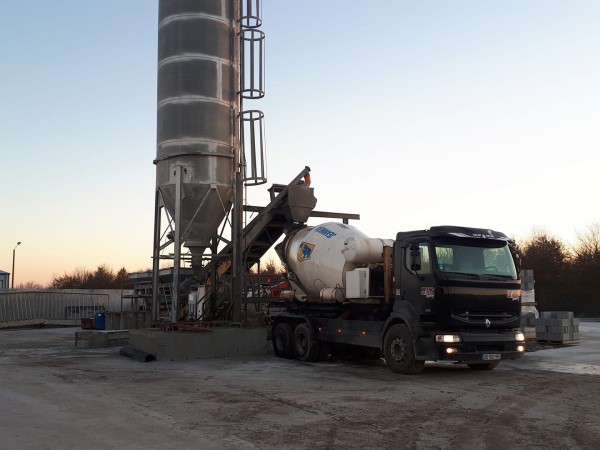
x,y
487,323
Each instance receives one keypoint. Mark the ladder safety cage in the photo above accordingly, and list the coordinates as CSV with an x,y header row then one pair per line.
x,y
252,57
252,87
253,137
251,14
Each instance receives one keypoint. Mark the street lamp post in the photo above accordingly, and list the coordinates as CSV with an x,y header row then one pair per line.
x,y
13,269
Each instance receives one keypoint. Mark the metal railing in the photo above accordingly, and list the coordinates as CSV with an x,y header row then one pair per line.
x,y
22,308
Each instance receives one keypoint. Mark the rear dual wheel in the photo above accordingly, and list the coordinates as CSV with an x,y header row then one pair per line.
x,y
299,343
306,345
283,340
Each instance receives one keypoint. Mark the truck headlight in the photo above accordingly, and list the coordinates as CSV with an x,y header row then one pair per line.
x,y
519,337
447,338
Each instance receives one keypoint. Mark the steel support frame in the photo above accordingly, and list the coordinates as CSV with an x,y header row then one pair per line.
x,y
158,205
177,242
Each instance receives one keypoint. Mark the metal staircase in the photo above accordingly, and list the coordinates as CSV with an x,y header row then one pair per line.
x,y
165,298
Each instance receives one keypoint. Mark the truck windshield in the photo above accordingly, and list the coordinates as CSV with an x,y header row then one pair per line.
x,y
477,258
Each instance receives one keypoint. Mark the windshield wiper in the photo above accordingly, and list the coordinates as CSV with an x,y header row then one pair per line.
x,y
503,277
474,275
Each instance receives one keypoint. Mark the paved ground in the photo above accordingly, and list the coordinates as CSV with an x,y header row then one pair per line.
x,y
56,396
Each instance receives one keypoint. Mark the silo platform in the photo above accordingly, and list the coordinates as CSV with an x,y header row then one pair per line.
x,y
209,343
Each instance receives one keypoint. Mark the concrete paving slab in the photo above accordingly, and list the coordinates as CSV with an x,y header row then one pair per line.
x,y
211,343
101,338
583,358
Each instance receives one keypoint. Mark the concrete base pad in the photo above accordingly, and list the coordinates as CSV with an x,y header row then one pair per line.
x,y
214,343
101,339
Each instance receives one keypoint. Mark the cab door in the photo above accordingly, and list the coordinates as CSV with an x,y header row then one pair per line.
x,y
414,283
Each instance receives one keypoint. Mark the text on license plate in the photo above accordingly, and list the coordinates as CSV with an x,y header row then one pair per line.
x,y
491,356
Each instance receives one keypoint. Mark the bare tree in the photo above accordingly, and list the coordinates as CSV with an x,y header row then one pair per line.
x,y
102,278
30,285
588,245
550,260
585,270
272,267
77,279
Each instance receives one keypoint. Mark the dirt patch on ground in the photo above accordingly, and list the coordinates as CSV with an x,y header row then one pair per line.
x,y
57,396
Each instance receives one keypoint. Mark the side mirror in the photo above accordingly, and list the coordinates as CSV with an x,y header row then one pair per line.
x,y
514,251
415,257
517,259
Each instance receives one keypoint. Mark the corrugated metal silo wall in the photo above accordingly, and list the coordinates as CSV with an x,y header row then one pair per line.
x,y
197,108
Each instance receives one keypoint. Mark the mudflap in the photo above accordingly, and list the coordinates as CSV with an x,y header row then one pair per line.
x,y
425,350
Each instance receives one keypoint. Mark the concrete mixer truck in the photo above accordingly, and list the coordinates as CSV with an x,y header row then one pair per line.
x,y
443,294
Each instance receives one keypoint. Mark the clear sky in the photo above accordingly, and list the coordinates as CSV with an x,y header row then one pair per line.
x,y
410,113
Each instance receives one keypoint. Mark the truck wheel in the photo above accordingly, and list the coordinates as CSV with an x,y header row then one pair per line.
x,y
283,340
399,351
306,346
484,366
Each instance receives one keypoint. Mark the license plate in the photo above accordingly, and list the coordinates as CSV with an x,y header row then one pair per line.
x,y
491,356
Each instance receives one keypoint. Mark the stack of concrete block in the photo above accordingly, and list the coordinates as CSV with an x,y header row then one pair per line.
x,y
528,324
529,312
557,326
527,280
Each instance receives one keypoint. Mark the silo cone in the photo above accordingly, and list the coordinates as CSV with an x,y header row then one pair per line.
x,y
197,109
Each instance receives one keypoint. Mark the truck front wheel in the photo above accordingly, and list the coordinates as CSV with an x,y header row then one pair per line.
x,y
399,351
306,345
283,340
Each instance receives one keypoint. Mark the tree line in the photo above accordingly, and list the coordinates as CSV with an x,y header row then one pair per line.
x,y
567,278
101,278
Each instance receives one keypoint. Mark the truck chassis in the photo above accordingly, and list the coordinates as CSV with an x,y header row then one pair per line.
x,y
312,336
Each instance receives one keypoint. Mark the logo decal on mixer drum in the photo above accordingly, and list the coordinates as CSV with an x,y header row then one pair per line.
x,y
325,232
305,250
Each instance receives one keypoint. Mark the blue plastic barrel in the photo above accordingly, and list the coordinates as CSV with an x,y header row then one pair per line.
x,y
100,321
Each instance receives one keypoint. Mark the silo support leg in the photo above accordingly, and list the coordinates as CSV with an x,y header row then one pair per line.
x,y
177,243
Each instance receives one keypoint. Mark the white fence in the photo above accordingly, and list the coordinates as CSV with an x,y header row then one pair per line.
x,y
22,308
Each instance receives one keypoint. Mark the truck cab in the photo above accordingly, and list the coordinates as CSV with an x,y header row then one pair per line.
x,y
459,292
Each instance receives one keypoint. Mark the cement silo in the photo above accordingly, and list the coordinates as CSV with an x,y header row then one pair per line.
x,y
197,113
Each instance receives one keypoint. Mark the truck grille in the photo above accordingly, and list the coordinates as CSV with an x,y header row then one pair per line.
x,y
481,316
